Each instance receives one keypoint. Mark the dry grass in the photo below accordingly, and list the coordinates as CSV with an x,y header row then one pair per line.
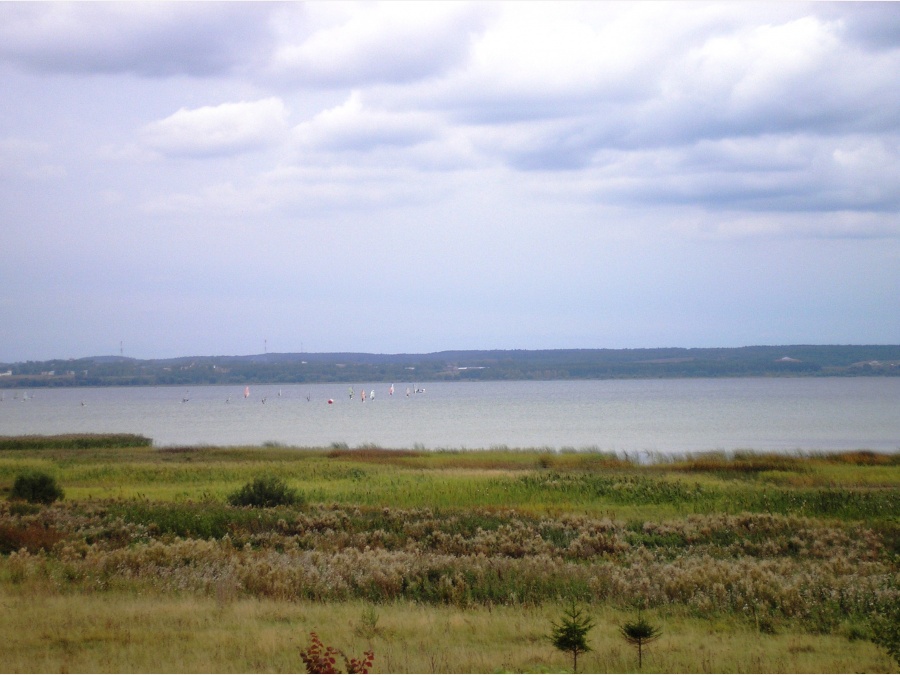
x,y
123,632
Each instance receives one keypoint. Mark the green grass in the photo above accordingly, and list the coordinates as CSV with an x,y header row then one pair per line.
x,y
818,486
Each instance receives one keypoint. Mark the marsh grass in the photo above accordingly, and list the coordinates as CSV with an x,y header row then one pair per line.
x,y
766,569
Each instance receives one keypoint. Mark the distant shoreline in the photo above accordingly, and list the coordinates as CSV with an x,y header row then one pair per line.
x,y
467,365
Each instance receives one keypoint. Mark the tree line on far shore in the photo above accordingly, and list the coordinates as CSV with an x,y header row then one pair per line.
x,y
559,364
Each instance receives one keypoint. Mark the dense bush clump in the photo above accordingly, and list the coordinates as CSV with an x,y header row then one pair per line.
x,y
886,632
36,487
266,491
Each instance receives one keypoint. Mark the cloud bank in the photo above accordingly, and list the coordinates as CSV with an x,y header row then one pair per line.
x,y
516,160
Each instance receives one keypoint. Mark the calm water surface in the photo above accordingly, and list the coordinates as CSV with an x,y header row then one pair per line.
x,y
667,416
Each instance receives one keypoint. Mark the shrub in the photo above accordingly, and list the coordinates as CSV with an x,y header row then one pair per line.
x,y
266,491
33,537
318,658
886,632
36,487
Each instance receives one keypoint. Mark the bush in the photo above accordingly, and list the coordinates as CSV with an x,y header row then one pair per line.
x,y
36,487
886,632
319,658
266,491
33,537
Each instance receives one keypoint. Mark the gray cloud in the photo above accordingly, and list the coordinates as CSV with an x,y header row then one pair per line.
x,y
874,25
147,39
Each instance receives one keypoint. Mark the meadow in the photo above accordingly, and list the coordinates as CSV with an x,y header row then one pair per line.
x,y
444,561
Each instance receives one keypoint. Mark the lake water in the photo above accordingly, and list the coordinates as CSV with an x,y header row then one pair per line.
x,y
634,416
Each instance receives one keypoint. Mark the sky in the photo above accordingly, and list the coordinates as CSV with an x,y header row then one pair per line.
x,y
206,179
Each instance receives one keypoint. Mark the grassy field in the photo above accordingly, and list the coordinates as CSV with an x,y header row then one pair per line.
x,y
445,561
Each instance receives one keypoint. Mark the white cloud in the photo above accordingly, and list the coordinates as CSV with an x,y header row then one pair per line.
x,y
351,44
218,130
352,126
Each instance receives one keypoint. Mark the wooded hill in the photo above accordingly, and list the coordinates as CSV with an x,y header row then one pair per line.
x,y
551,364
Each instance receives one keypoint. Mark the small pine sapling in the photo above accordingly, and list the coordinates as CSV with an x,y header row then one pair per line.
x,y
570,634
639,634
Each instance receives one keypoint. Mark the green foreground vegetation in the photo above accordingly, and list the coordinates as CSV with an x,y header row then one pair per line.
x,y
444,561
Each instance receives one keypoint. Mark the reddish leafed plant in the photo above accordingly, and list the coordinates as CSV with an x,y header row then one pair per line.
x,y
319,658
360,665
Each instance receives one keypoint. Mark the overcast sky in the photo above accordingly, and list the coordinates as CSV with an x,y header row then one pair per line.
x,y
203,179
